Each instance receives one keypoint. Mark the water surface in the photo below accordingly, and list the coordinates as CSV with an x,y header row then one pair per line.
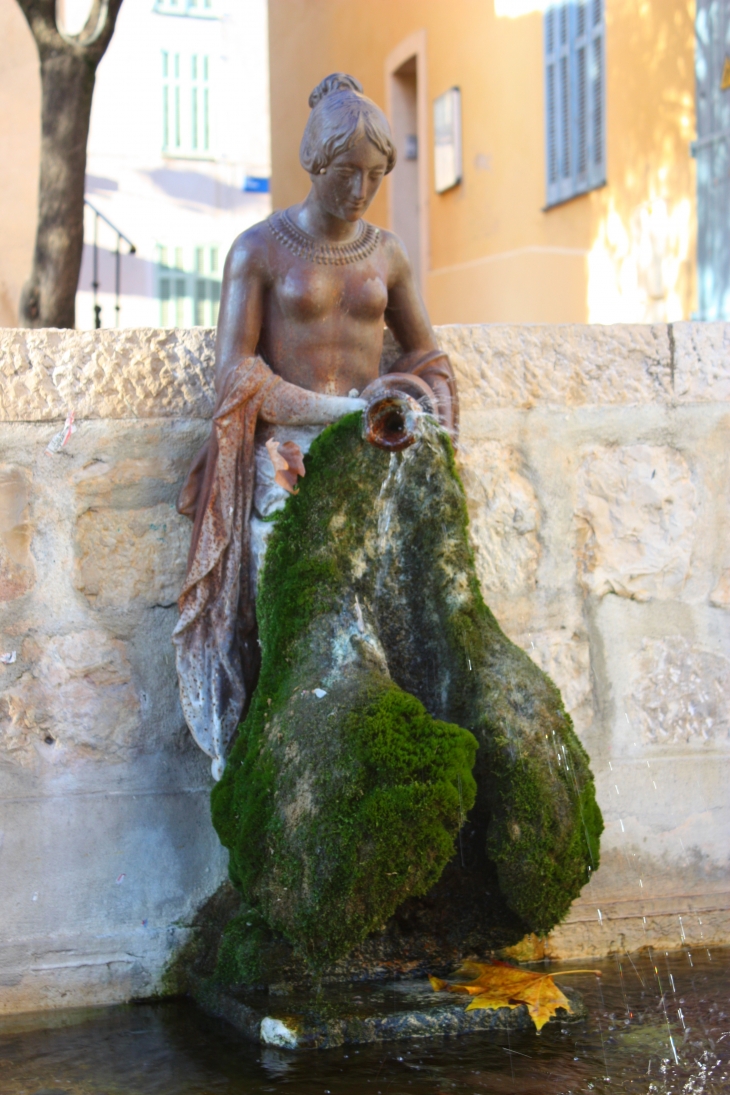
x,y
658,1024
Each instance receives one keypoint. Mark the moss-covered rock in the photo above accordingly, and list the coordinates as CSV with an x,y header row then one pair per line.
x,y
382,670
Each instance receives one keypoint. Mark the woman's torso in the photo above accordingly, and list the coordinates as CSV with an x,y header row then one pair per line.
x,y
323,308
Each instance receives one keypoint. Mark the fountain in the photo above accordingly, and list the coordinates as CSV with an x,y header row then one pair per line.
x,y
405,789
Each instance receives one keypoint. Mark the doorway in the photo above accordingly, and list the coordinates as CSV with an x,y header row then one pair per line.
x,y
405,181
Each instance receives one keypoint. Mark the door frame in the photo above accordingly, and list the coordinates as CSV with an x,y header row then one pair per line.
x,y
414,46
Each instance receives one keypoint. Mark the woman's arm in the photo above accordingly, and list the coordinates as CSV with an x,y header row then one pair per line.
x,y
407,319
246,279
406,315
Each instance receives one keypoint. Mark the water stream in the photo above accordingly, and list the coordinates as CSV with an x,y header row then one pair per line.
x,y
658,1024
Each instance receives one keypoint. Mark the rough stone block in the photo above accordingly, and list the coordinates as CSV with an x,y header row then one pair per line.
x,y
635,520
680,693
504,516
523,366
17,569
701,362
129,373
129,559
76,699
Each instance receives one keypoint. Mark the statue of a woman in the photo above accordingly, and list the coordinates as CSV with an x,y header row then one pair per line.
x,y
304,301
392,712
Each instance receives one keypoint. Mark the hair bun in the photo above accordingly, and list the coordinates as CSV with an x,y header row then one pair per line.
x,y
336,81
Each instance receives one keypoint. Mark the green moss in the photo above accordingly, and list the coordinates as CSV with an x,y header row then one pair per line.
x,y
337,809
241,955
334,812
542,822
544,857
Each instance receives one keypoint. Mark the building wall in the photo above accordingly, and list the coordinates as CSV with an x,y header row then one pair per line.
x,y
595,462
191,203
622,253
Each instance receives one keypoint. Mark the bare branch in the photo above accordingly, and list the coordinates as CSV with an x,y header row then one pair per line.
x,y
41,18
99,27
94,37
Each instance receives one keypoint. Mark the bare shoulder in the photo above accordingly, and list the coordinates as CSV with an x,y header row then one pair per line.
x,y
399,264
249,255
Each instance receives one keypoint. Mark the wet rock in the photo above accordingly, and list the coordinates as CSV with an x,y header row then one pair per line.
x,y
367,1014
382,671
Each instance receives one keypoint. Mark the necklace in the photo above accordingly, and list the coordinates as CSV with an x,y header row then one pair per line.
x,y
327,254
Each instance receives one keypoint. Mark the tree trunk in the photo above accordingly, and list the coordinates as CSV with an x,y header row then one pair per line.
x,y
49,296
68,72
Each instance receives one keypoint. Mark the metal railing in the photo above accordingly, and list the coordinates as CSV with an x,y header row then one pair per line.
x,y
95,284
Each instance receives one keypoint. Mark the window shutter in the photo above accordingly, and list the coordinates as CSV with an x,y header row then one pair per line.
x,y
574,98
597,95
712,151
551,107
580,85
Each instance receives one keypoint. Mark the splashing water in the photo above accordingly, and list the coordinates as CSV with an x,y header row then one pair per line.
x,y
173,1049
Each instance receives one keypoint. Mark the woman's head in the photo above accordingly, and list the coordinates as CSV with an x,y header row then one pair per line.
x,y
341,117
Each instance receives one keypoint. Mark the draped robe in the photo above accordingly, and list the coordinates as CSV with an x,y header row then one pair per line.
x,y
215,638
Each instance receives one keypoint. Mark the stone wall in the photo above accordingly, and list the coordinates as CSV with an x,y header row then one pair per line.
x,y
596,463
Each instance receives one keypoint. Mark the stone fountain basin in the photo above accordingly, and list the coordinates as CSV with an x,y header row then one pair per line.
x,y
363,1012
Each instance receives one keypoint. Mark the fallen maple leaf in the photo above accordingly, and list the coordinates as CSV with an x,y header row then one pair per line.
x,y
499,985
288,463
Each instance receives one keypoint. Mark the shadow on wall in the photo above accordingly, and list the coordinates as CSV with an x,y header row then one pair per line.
x,y
137,274
641,260
196,189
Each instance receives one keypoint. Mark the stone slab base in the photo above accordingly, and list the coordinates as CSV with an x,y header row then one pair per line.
x,y
361,1013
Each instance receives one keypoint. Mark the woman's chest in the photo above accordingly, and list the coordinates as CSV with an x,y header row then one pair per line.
x,y
311,292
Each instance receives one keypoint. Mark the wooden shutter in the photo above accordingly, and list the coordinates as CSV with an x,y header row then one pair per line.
x,y
574,98
712,149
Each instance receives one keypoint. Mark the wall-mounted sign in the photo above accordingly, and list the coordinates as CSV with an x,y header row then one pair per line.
x,y
447,139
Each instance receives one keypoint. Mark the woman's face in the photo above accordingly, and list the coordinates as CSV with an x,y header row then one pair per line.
x,y
351,181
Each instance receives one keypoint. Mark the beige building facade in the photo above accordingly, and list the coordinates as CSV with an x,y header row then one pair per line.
x,y
493,248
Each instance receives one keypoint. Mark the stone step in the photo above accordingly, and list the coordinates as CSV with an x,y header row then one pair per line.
x,y
361,1013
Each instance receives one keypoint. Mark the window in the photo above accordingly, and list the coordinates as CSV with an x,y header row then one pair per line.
x,y
189,286
185,104
575,97
203,9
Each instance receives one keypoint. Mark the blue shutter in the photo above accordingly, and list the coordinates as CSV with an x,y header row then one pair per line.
x,y
574,98
712,149
597,95
551,106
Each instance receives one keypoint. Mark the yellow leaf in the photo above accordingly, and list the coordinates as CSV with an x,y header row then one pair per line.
x,y
437,984
498,985
490,1001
